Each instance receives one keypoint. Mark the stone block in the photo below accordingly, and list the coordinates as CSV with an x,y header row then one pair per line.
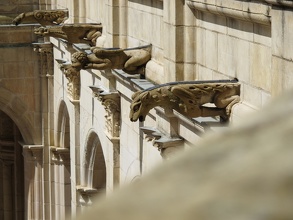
x,y
262,35
213,22
226,55
173,12
260,67
200,46
240,29
211,40
252,95
282,41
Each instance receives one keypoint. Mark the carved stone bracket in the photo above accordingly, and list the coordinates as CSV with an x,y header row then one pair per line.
x,y
73,75
45,51
166,145
44,17
35,151
87,195
60,154
72,33
111,103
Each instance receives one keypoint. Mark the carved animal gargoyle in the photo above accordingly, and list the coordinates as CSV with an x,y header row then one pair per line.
x,y
73,33
131,60
188,98
43,17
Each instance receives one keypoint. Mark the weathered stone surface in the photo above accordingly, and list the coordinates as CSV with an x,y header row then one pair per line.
x,y
188,98
242,173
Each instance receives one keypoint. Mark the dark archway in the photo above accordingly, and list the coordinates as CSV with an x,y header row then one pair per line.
x,y
11,170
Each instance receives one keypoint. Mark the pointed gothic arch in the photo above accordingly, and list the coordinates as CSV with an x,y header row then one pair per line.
x,y
94,166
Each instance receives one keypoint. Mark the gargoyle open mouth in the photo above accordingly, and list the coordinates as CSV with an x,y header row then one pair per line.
x,y
141,118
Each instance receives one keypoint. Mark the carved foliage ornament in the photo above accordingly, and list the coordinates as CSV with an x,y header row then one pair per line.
x,y
73,33
44,17
131,60
187,98
111,103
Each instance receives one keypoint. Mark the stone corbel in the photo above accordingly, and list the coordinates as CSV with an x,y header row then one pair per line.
x,y
111,103
73,75
45,51
87,195
43,17
61,154
72,33
35,151
167,146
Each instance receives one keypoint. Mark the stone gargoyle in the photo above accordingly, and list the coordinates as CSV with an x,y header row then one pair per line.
x,y
43,17
188,98
73,33
131,60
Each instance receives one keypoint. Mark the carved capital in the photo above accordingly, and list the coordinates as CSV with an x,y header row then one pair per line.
x,y
73,75
164,143
45,51
111,103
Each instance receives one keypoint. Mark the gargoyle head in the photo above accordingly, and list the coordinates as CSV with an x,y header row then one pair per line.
x,y
16,21
142,103
41,31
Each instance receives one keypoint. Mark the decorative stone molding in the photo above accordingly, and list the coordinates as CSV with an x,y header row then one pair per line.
x,y
189,98
44,17
166,145
72,33
45,51
111,103
131,60
73,75
281,3
244,10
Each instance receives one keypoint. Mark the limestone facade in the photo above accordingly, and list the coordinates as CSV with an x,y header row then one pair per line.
x,y
66,132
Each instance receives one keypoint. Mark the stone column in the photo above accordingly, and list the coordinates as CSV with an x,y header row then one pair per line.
x,y
282,45
33,170
45,52
173,40
123,13
113,23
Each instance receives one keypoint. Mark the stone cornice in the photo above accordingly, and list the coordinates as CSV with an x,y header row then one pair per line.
x,y
249,11
280,3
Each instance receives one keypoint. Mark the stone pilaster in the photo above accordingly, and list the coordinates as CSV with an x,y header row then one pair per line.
x,y
111,103
45,51
33,173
